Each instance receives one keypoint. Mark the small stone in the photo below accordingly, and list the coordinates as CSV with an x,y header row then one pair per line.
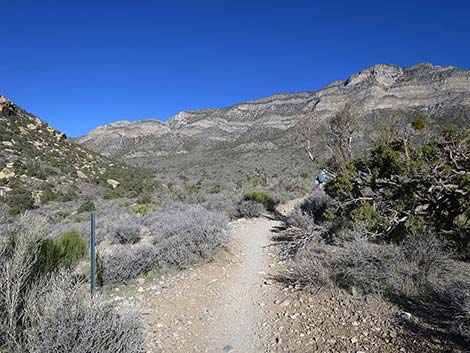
x,y
141,281
354,291
140,289
228,349
404,317
114,183
354,340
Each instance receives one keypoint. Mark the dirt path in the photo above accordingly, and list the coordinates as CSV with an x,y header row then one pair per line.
x,y
231,305
223,306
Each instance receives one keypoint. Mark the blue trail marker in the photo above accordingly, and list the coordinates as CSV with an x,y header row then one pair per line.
x,y
92,254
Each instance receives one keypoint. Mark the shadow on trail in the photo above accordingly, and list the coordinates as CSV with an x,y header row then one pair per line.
x,y
437,318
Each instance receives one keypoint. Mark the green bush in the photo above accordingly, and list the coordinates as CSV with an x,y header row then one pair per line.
x,y
86,206
48,195
69,196
14,211
142,209
372,219
21,200
398,190
261,197
72,247
49,256
387,160
61,253
418,124
145,198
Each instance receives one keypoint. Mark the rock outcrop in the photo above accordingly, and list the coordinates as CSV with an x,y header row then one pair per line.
x,y
36,157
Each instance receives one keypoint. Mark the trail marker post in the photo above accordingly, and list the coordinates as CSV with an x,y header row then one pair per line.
x,y
92,254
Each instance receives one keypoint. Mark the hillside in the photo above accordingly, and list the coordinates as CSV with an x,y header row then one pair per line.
x,y
38,163
254,134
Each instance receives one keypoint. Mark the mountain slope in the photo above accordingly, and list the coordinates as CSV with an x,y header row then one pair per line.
x,y
38,163
430,90
204,143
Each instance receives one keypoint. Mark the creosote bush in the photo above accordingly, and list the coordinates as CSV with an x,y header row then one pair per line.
x,y
315,205
60,253
140,209
86,206
184,234
60,320
19,250
262,197
221,203
124,231
373,268
49,313
124,262
250,209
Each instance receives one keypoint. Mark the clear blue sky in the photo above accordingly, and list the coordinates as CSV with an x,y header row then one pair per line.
x,y
79,64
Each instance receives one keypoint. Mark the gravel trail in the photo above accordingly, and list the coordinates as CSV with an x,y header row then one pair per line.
x,y
222,306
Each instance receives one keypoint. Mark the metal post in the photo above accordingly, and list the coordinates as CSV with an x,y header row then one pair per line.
x,y
92,254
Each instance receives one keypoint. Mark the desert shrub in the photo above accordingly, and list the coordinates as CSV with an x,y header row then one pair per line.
x,y
49,256
123,262
222,203
262,197
145,198
140,209
68,196
373,268
72,247
125,231
298,219
19,200
14,211
4,216
86,206
402,188
82,228
60,320
250,209
19,251
418,124
185,234
58,216
315,205
61,253
48,195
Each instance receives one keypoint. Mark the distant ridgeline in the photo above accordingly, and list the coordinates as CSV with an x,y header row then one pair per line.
x,y
38,164
222,144
243,146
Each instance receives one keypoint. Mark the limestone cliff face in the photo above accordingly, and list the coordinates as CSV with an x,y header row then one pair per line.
x,y
437,92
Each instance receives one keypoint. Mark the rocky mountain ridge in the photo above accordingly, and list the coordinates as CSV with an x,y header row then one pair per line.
x,y
436,92
39,163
